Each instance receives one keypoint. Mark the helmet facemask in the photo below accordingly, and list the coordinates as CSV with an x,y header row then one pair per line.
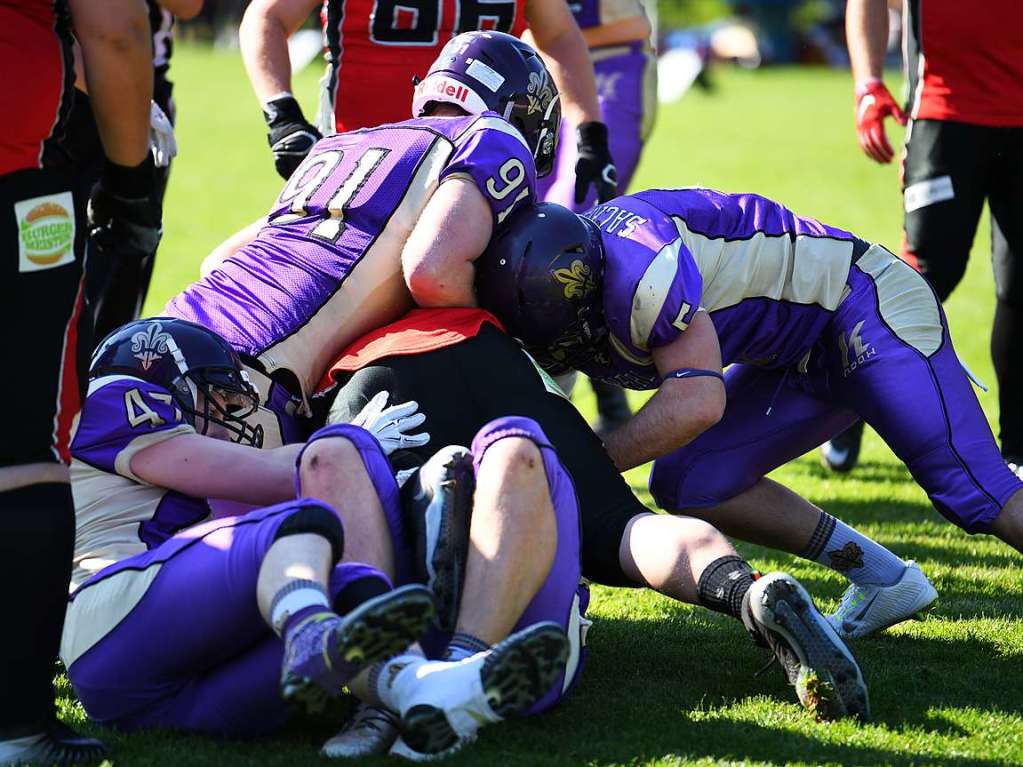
x,y
220,399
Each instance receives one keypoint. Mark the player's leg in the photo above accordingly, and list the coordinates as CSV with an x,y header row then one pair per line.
x,y
773,417
42,232
891,358
239,581
689,560
1005,198
367,499
945,176
518,568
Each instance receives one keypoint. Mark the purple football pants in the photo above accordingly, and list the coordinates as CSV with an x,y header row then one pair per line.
x,y
195,653
625,107
887,357
561,598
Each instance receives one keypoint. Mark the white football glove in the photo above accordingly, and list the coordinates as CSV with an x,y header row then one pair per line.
x,y
161,137
391,425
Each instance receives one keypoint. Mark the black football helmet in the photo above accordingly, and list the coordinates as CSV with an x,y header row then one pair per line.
x,y
492,71
542,275
188,360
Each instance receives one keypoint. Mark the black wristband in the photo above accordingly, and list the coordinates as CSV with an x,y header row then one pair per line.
x,y
281,110
129,182
594,132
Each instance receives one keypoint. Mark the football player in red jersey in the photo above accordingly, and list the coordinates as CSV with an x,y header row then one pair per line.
x,y
42,228
964,144
376,47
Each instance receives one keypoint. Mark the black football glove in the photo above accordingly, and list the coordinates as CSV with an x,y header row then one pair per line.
x,y
124,219
594,165
291,136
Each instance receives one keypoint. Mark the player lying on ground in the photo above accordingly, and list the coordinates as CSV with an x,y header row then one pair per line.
x,y
166,396
658,290
469,373
328,265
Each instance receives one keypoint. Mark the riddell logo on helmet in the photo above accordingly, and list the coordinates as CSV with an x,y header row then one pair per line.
x,y
443,87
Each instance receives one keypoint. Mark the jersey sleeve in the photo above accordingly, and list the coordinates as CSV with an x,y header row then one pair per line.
x,y
495,157
121,416
679,297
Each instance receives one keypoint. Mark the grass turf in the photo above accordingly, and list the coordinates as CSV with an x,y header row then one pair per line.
x,y
669,684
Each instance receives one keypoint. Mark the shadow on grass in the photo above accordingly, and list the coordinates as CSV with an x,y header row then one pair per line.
x,y
684,683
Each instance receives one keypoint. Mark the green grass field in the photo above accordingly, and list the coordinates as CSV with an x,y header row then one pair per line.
x,y
669,684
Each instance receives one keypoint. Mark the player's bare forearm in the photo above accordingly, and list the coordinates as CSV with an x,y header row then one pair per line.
x,y
561,45
263,36
437,260
117,56
677,414
866,30
211,468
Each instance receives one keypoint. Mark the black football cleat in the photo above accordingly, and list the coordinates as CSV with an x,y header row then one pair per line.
x,y
816,661
438,508
842,451
57,744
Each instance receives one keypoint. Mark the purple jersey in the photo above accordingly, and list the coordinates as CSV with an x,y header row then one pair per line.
x,y
593,13
327,266
769,279
118,514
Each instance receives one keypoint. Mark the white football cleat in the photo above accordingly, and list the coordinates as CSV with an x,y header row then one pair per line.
x,y
444,704
371,731
1015,466
865,610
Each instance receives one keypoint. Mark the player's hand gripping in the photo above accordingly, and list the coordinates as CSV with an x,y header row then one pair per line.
x,y
124,219
595,165
873,104
291,136
391,425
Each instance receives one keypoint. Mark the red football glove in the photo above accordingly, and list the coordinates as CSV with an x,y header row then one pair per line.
x,y
873,104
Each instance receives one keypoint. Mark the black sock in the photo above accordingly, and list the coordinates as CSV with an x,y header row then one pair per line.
x,y
1007,356
37,538
724,583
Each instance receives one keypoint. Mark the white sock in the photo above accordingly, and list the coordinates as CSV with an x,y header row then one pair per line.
x,y
392,679
863,561
293,598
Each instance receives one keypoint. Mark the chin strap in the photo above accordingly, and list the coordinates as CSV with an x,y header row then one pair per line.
x,y
693,373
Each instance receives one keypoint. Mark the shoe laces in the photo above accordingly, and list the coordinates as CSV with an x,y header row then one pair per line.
x,y
853,596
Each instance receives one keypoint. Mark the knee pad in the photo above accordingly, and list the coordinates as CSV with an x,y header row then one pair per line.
x,y
316,518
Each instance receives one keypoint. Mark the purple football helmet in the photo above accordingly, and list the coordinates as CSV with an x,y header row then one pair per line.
x,y
492,71
187,360
542,275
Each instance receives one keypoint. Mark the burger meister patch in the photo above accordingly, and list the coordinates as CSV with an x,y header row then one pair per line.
x,y
46,232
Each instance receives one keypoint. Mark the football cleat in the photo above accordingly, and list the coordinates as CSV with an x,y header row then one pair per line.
x,y
1015,464
371,731
449,702
842,451
439,512
57,744
865,610
816,661
324,651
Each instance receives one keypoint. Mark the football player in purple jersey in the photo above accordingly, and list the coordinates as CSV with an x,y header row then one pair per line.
x,y
660,290
418,199
163,432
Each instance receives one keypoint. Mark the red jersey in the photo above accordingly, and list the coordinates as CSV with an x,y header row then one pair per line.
x,y
375,47
964,61
35,58
418,332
